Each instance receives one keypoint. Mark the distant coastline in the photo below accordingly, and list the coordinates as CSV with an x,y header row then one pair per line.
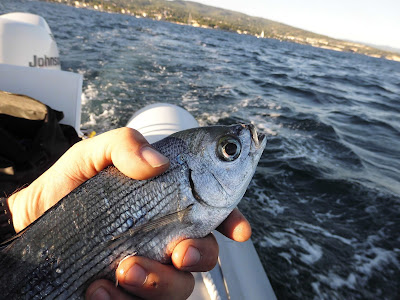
x,y
199,15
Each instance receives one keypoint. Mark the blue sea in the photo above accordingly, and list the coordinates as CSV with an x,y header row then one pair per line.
x,y
325,201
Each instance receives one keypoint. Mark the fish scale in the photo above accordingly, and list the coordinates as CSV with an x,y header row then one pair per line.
x,y
88,232
93,265
105,221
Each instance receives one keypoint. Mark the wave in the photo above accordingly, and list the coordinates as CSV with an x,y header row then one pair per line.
x,y
324,202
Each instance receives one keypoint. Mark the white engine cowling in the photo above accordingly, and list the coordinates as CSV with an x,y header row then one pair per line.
x,y
156,121
26,40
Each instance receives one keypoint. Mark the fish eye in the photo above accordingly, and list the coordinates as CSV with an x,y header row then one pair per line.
x,y
228,148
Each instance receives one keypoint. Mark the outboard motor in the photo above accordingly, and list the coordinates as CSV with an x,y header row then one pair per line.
x,y
26,40
156,121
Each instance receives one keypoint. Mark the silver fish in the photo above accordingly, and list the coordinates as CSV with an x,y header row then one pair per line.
x,y
87,233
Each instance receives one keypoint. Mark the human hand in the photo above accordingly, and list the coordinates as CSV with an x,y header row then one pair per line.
x,y
131,154
126,148
149,279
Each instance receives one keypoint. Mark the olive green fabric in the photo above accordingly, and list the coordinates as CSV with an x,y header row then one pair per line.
x,y
21,106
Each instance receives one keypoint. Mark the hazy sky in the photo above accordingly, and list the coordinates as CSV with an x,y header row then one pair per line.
x,y
368,21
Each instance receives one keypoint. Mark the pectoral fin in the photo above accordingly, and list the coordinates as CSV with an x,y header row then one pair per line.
x,y
179,216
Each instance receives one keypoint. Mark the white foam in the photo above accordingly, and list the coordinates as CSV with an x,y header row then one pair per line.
x,y
375,258
93,118
90,93
314,251
335,281
272,206
265,126
315,286
286,256
274,115
310,253
207,118
325,232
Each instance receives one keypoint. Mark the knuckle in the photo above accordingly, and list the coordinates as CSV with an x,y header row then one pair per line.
x,y
130,133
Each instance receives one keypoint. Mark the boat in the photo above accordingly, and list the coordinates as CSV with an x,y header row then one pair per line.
x,y
30,66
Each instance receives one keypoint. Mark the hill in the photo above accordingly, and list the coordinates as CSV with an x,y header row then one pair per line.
x,y
196,14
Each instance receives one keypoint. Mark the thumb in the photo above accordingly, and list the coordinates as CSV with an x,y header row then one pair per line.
x,y
125,148
136,158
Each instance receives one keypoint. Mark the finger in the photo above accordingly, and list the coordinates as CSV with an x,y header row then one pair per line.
x,y
196,255
236,227
149,279
106,290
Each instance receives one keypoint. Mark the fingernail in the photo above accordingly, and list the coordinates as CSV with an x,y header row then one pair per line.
x,y
153,157
135,276
191,258
100,294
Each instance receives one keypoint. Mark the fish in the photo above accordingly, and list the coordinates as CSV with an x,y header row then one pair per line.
x,y
86,234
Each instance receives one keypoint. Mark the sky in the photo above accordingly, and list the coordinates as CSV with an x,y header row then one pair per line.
x,y
368,21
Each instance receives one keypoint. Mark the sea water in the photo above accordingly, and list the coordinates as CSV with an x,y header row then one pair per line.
x,y
325,201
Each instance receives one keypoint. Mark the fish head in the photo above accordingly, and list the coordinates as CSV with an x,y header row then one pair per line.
x,y
222,161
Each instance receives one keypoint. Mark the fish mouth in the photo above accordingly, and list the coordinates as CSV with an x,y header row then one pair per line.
x,y
259,140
